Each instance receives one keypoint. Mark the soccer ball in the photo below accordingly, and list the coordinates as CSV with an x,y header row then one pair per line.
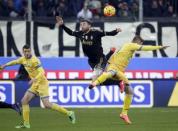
x,y
109,10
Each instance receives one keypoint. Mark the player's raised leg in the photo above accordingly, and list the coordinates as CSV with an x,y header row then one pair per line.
x,y
58,108
103,77
26,110
106,79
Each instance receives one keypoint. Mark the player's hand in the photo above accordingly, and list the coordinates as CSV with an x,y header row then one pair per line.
x,y
164,47
59,21
32,81
2,67
118,30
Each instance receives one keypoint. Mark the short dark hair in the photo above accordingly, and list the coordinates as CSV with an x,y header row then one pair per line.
x,y
26,47
86,20
136,38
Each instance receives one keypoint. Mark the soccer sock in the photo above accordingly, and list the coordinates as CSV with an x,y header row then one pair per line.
x,y
102,78
60,109
127,103
26,113
5,105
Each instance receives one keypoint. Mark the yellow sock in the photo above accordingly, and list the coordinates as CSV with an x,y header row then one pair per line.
x,y
127,103
102,78
59,109
26,113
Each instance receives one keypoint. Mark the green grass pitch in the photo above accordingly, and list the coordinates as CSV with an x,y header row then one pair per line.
x,y
90,119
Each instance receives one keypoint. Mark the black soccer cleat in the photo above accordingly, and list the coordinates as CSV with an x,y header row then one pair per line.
x,y
90,86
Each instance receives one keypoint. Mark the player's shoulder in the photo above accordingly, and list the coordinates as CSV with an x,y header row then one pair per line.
x,y
35,58
127,44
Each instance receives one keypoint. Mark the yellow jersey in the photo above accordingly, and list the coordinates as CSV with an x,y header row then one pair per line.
x,y
122,57
32,66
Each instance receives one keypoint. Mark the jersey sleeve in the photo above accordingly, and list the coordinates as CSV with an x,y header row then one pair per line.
x,y
137,47
70,32
15,62
150,48
106,33
134,46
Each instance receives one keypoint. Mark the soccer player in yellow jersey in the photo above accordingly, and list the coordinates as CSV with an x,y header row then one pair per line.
x,y
39,86
116,68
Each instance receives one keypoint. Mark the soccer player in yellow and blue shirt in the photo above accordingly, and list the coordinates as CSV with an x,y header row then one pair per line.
x,y
116,68
39,86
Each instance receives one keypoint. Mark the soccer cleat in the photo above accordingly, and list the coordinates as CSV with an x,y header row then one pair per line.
x,y
90,86
17,108
72,117
125,118
22,125
121,86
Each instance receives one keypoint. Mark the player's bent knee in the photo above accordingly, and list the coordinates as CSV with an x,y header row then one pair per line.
x,y
24,101
96,73
128,90
131,92
47,105
112,72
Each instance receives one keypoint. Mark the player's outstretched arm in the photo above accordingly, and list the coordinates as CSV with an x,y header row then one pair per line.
x,y
150,48
111,33
5,65
60,23
11,63
118,30
165,47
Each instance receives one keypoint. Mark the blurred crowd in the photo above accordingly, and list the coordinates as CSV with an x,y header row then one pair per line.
x,y
88,8
161,8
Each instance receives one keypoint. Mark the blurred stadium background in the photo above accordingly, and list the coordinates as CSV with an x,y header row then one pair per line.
x,y
153,75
